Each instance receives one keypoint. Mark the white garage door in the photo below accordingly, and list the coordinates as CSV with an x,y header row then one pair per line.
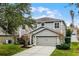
x,y
46,41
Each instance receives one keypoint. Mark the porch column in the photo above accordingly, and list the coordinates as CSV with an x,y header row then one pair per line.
x,y
58,41
34,39
61,27
30,39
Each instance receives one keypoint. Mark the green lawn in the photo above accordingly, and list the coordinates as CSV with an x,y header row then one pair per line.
x,y
74,51
9,49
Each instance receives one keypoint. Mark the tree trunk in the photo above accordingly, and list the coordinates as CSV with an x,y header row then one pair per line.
x,y
25,43
25,38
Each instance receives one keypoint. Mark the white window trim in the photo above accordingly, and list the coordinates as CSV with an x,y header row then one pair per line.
x,y
56,25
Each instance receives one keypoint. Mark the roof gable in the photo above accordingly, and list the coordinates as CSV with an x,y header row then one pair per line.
x,y
42,29
45,32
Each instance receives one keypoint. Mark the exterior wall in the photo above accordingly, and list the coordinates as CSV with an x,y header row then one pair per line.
x,y
61,29
46,33
38,25
74,37
47,25
4,38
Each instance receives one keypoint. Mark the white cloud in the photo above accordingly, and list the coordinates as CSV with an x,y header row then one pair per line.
x,y
33,9
39,9
42,9
49,12
46,12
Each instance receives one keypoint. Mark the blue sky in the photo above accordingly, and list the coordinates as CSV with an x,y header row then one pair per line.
x,y
54,10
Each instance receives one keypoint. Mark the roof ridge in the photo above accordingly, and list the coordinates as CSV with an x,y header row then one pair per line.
x,y
47,19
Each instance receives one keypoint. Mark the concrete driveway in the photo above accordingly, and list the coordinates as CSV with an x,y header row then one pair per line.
x,y
37,51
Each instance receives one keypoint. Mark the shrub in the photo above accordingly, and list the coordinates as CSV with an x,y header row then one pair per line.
x,y
66,45
67,40
68,32
63,46
68,36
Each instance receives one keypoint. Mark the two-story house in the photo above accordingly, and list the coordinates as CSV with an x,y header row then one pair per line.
x,y
49,32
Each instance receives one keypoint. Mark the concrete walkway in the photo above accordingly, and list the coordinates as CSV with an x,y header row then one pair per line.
x,y
37,51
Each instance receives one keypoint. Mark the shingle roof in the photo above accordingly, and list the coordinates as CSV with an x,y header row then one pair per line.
x,y
47,19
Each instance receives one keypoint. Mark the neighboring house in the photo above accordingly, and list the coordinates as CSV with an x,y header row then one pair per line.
x,y
6,38
9,39
49,32
74,35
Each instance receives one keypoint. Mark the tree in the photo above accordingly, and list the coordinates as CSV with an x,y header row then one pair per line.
x,y
25,40
72,17
12,16
74,11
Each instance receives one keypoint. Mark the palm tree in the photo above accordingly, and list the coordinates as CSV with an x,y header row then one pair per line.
x,y
72,17
74,14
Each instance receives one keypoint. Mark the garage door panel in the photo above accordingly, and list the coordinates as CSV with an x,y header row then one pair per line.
x,y
46,41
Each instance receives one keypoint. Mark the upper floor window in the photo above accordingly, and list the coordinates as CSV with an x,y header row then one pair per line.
x,y
42,24
56,25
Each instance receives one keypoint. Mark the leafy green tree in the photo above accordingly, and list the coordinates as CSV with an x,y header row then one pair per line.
x,y
14,15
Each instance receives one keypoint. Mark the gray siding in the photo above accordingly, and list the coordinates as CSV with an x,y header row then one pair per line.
x,y
46,33
51,26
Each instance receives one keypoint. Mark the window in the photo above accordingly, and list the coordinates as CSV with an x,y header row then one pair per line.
x,y
9,41
42,24
56,25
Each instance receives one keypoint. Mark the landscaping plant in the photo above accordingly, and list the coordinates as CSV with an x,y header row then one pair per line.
x,y
66,45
